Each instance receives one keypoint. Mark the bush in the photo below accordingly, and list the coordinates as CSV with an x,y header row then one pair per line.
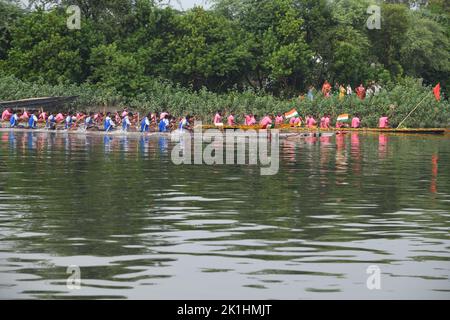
x,y
396,100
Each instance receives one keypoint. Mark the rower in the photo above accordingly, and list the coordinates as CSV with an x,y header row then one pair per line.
x,y
230,119
68,122
279,119
59,117
89,122
184,124
126,122
51,122
356,122
383,123
310,122
164,124
109,123
6,115
266,122
14,120
32,122
43,116
145,123
218,119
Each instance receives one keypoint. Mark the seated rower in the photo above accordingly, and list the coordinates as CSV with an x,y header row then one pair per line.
x,y
298,121
340,124
323,124
68,122
164,124
311,122
32,122
184,124
279,119
109,123
145,123
218,119
356,122
43,117
89,121
51,122
266,122
6,115
126,123
25,116
230,120
59,117
383,123
14,120
117,118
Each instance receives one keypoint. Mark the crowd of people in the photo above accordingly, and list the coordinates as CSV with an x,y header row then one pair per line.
x,y
165,122
342,90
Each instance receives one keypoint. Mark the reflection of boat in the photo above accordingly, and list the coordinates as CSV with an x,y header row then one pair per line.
x,y
293,135
285,129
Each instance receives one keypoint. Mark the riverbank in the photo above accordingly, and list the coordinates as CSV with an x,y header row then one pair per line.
x,y
395,100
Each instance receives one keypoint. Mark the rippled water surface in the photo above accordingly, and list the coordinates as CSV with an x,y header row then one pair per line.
x,y
141,227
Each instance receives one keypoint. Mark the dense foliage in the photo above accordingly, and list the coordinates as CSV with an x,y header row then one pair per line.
x,y
396,101
244,55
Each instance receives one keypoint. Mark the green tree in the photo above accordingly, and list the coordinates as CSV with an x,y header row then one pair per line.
x,y
111,68
10,12
388,41
210,51
42,47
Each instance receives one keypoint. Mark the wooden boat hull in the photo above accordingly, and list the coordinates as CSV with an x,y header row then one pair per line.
x,y
283,128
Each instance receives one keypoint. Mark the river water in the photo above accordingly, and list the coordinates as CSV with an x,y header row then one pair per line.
x,y
137,226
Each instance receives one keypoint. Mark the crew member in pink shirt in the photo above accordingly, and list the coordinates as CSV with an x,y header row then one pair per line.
x,y
311,122
252,121
279,119
383,122
6,115
218,119
292,121
356,122
266,122
340,124
25,116
59,117
42,116
230,119
247,118
323,122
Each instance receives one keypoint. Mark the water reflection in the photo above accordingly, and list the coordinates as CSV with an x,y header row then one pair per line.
x,y
140,227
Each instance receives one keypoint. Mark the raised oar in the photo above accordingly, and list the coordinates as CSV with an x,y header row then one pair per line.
x,y
414,109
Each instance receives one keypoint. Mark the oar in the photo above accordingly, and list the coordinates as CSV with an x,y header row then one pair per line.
x,y
414,109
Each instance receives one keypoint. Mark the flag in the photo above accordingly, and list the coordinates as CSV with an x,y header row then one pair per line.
x,y
343,118
437,92
291,114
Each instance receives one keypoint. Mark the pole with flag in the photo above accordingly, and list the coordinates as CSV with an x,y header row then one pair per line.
x,y
437,94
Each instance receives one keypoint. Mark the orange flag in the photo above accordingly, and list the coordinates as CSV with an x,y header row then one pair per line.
x,y
437,92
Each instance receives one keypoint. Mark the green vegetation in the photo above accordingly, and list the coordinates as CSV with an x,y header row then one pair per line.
x,y
241,55
396,101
